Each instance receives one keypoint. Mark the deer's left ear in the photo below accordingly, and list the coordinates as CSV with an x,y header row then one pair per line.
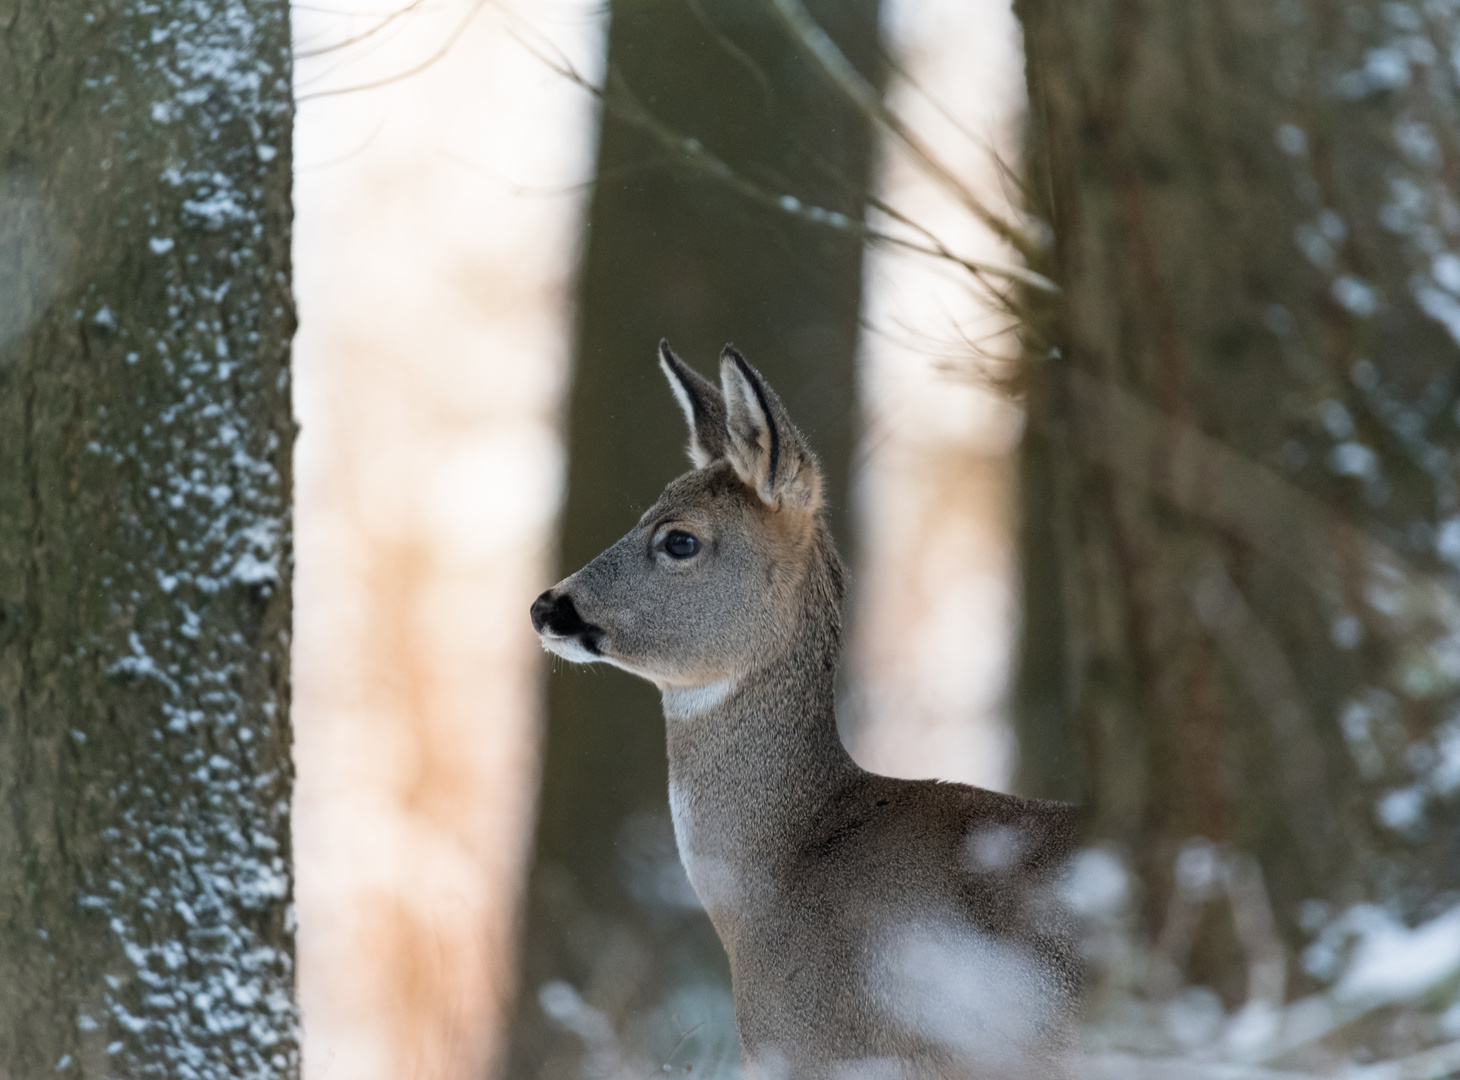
x,y
764,447
704,408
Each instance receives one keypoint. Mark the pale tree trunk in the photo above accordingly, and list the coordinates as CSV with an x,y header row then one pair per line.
x,y
145,438
1240,531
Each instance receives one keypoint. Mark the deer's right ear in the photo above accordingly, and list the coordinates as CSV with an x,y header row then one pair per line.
x,y
764,447
703,405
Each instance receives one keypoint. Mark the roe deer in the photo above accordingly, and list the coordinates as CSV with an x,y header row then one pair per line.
x,y
875,927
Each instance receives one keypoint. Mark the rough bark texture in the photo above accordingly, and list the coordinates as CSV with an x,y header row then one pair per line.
x,y
145,438
673,254
1240,531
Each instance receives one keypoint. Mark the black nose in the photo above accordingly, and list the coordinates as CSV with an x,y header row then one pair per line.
x,y
542,610
558,615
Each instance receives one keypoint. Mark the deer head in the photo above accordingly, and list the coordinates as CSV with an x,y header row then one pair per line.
x,y
706,586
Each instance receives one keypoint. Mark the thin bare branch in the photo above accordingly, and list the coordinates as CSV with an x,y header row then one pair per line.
x,y
618,100
840,72
311,75
424,65
305,54
736,53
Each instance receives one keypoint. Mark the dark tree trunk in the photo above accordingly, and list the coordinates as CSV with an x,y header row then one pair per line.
x,y
145,438
671,252
1240,538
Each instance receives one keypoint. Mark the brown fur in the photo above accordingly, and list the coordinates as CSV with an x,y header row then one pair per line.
x,y
875,927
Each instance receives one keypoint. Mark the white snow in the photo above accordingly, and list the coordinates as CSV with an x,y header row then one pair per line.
x,y
1392,962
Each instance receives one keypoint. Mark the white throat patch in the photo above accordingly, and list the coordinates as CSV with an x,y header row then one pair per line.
x,y
683,702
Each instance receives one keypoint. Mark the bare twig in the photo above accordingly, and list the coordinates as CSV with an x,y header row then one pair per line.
x,y
311,75
618,100
840,72
736,53
445,48
683,1038
305,54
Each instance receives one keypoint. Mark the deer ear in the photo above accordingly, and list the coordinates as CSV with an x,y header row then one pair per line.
x,y
765,448
703,405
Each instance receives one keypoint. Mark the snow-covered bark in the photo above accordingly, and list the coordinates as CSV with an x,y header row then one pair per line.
x,y
145,437
1242,524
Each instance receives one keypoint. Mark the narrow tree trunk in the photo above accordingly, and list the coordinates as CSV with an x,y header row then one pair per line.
x,y
145,438
674,253
1240,477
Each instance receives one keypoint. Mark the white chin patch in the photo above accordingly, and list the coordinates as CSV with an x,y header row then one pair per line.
x,y
569,649
572,649
683,702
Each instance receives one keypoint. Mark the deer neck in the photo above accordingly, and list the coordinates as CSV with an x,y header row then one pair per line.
x,y
752,760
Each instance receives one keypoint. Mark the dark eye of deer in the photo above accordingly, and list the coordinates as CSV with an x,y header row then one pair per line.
x,y
680,545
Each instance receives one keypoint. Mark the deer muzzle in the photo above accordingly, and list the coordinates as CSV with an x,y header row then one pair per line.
x,y
555,616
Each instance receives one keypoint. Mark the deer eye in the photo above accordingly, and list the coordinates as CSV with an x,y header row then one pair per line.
x,y
680,545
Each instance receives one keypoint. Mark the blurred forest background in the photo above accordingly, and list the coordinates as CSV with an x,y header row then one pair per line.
x,y
1128,335
480,415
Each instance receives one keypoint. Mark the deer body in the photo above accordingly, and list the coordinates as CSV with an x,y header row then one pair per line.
x,y
887,927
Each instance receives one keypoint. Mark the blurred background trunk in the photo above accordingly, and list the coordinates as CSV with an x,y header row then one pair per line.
x,y
145,439
1240,534
617,958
